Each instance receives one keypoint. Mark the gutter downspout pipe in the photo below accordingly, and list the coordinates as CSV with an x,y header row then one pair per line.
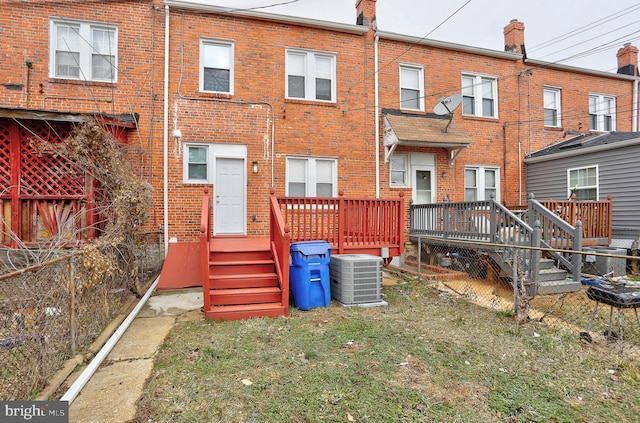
x,y
634,117
165,144
376,108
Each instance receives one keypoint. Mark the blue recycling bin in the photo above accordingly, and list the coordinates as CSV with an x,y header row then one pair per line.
x,y
309,274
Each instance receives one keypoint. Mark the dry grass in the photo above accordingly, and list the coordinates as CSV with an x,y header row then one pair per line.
x,y
426,357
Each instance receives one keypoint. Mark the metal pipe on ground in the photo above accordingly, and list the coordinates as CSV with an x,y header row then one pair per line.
x,y
84,377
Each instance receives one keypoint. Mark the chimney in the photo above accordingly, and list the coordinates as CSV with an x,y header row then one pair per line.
x,y
366,12
514,37
628,60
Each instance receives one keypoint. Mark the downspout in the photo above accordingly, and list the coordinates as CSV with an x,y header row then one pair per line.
x,y
376,107
634,117
165,137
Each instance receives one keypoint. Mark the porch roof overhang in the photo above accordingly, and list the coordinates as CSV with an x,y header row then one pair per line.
x,y
125,120
428,130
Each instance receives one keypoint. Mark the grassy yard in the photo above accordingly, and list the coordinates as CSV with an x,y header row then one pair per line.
x,y
426,357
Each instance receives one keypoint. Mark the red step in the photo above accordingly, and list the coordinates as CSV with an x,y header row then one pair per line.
x,y
236,267
250,280
245,296
239,312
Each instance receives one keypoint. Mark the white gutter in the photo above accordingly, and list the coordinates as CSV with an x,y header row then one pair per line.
x,y
634,116
165,145
376,108
84,377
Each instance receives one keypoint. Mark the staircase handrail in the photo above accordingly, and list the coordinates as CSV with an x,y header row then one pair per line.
x,y
558,235
280,242
205,240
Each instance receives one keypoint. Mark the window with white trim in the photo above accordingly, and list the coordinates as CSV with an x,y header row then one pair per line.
x,y
411,87
216,66
552,107
196,164
399,173
480,183
83,51
602,112
311,177
583,182
310,75
479,95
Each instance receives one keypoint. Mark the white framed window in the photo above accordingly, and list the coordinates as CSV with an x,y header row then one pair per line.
x,y
552,105
411,87
479,95
310,75
216,66
602,112
312,177
481,183
197,165
399,170
83,50
583,182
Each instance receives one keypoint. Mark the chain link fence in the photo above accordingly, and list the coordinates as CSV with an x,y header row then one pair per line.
x,y
57,303
600,309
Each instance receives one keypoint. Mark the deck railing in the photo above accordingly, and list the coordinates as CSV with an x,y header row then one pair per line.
x,y
280,242
205,240
492,223
348,224
596,216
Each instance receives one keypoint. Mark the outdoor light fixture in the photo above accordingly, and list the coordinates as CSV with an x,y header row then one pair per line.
x,y
254,167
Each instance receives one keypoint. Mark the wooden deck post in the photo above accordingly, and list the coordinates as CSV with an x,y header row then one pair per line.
x,y
342,231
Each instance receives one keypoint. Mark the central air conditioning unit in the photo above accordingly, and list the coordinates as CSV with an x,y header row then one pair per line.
x,y
356,279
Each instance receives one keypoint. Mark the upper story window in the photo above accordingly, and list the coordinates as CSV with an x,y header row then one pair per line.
x,y
411,87
311,75
311,177
602,113
83,51
552,107
216,66
583,182
480,96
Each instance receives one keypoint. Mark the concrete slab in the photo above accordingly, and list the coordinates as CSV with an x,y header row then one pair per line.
x,y
142,339
112,393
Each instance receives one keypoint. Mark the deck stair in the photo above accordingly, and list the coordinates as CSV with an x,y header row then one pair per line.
x,y
242,280
551,279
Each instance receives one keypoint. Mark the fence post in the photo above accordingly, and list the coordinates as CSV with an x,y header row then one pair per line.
x,y
576,260
73,324
515,281
534,259
342,231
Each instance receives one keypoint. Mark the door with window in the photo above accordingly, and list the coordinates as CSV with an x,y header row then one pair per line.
x,y
423,187
229,203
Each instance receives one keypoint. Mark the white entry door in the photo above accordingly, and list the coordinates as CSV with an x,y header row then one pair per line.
x,y
229,207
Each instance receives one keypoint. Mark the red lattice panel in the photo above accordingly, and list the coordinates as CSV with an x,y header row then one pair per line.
x,y
5,158
43,174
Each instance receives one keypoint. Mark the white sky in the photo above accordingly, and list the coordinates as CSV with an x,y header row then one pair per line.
x,y
555,30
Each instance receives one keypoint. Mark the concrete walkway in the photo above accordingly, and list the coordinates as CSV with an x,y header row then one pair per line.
x,y
111,394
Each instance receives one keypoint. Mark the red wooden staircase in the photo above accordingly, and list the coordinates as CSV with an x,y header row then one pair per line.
x,y
242,280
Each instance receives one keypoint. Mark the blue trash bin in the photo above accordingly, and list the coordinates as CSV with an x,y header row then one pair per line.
x,y
309,274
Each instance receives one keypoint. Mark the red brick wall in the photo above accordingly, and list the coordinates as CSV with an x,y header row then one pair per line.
x,y
519,128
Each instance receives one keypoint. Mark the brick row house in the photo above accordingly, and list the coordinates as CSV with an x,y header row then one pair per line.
x,y
243,102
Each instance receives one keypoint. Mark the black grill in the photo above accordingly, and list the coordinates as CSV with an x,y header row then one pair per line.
x,y
619,296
